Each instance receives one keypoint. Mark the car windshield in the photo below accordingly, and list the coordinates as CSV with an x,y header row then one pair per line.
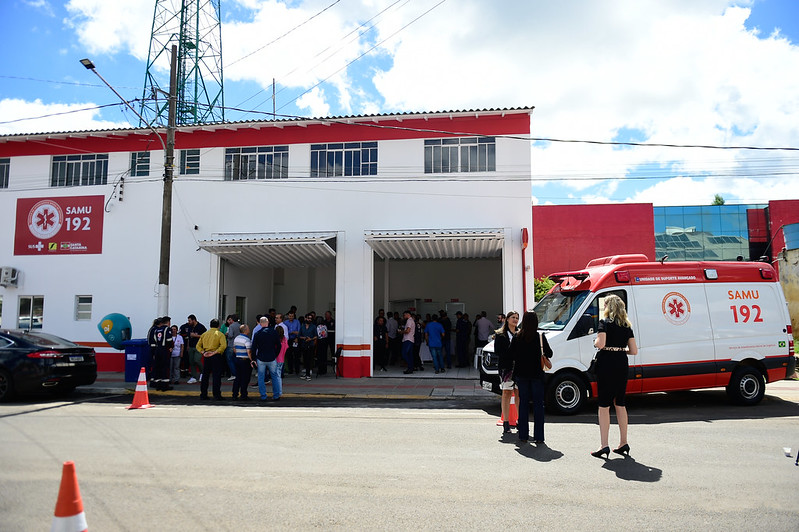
x,y
557,308
46,340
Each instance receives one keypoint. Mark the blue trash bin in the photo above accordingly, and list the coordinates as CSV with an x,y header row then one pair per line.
x,y
137,356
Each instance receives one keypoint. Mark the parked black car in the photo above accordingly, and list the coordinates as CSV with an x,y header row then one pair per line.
x,y
33,361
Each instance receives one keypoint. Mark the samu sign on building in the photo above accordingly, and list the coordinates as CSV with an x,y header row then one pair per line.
x,y
59,226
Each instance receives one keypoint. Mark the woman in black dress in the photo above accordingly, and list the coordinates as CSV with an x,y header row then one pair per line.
x,y
526,350
502,341
615,342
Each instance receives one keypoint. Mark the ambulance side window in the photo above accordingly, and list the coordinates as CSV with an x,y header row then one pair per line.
x,y
588,323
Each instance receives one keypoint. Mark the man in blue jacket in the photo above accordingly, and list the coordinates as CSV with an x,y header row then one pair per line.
x,y
265,348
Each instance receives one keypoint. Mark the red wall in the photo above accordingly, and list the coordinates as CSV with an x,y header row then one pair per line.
x,y
781,212
566,237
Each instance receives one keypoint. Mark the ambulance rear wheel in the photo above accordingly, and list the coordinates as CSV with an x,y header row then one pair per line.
x,y
566,393
747,386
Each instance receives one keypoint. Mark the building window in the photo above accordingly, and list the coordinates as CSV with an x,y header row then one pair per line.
x,y
262,162
31,312
189,162
344,159
708,232
79,170
5,166
473,154
140,163
83,308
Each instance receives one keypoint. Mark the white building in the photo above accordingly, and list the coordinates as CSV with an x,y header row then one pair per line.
x,y
349,214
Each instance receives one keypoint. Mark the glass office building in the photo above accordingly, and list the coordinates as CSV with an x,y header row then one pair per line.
x,y
712,232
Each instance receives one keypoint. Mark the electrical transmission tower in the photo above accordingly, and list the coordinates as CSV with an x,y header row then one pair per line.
x,y
194,26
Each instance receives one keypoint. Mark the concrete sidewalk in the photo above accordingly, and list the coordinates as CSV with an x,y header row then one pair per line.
x,y
460,383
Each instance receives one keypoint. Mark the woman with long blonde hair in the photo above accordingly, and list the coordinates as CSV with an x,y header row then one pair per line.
x,y
615,341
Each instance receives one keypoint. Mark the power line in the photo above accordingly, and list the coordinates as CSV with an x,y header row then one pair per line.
x,y
362,55
283,35
63,113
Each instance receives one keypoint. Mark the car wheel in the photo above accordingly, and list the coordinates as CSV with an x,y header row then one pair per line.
x,y
747,386
6,385
566,393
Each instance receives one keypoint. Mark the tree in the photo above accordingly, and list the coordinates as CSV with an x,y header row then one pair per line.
x,y
718,200
542,286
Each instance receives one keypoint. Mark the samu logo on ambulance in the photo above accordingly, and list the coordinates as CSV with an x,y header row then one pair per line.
x,y
676,308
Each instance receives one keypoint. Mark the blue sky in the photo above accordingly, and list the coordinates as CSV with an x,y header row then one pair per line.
x,y
716,72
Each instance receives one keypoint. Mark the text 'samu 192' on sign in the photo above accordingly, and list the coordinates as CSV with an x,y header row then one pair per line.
x,y
59,226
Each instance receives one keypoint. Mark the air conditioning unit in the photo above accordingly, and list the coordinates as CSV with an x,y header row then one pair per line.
x,y
8,276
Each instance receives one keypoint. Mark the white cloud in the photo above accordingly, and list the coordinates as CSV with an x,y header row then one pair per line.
x,y
111,27
41,5
59,117
315,102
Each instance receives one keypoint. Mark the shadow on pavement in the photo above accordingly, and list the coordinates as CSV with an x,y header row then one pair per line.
x,y
628,469
539,452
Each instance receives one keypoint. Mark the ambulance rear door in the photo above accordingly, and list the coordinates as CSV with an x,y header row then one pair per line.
x,y
675,344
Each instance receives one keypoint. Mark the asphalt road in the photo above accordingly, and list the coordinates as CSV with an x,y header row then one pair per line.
x,y
330,464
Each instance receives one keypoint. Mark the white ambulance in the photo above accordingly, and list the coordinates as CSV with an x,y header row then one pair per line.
x,y
697,325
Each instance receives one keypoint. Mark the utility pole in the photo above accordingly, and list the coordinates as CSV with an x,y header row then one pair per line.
x,y
166,209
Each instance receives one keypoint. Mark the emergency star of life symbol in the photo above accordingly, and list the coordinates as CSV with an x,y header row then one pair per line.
x,y
45,219
676,308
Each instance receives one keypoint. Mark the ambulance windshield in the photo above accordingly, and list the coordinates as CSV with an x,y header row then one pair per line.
x,y
557,308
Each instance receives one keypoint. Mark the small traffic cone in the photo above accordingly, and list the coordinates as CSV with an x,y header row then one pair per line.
x,y
69,516
140,398
513,414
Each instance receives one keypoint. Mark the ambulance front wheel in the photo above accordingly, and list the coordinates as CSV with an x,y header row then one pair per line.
x,y
566,393
747,386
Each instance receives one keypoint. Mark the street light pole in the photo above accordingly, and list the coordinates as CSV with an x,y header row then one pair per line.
x,y
169,167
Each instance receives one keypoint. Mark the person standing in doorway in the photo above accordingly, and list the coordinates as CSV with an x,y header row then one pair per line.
x,y
446,344
394,337
380,339
330,323
308,338
484,329
462,330
434,336
408,333
293,354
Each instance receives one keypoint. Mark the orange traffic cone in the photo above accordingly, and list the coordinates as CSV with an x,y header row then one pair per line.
x,y
513,414
140,398
69,516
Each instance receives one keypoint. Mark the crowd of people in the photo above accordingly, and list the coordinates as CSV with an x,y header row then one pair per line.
x,y
398,338
276,346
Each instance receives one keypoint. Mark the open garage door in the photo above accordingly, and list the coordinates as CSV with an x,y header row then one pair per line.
x,y
273,250
437,244
431,270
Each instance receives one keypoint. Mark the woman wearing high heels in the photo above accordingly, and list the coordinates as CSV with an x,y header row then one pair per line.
x,y
502,341
615,341
526,349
